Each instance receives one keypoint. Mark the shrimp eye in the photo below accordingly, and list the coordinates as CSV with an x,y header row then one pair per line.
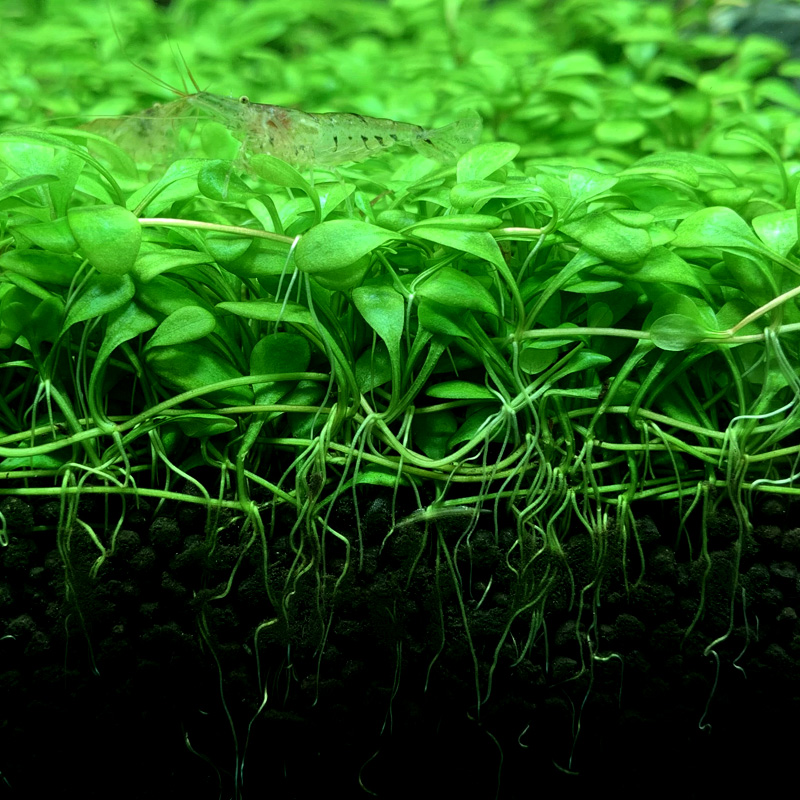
x,y
244,99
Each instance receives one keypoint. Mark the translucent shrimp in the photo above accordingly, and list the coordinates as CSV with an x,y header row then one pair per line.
x,y
150,135
298,137
306,140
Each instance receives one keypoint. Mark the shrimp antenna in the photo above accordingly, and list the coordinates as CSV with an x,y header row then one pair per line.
x,y
188,71
155,78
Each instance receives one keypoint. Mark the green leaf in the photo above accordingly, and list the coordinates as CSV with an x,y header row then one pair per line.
x,y
584,361
433,431
225,249
101,294
661,265
376,477
124,323
306,393
677,332
752,274
461,222
396,219
670,166
16,188
109,237
476,243
591,287
733,312
149,265
575,62
276,353
68,166
275,171
54,235
441,318
373,368
471,426
269,311
263,257
201,426
601,233
46,320
585,184
191,366
178,183
280,173
470,193
619,131
16,309
183,325
484,159
338,243
30,152
734,197
778,230
450,286
533,360
716,226
778,91
332,195
41,266
719,86
346,278
164,295
460,390
383,308
218,181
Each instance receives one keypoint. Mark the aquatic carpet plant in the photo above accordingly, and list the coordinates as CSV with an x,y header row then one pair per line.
x,y
534,340
530,347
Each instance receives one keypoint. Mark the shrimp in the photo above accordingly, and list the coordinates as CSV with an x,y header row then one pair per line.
x,y
307,140
149,135
297,137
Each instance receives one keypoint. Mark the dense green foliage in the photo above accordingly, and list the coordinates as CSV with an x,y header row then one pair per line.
x,y
597,304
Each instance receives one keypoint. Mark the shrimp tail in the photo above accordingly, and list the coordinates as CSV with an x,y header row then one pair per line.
x,y
447,143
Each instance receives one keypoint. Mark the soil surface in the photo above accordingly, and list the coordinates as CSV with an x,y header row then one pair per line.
x,y
372,691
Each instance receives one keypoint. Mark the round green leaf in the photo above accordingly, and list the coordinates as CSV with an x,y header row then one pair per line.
x,y
458,289
619,131
676,332
533,360
477,243
148,265
433,431
183,325
194,366
109,237
346,278
276,353
338,243
716,226
218,181
373,368
603,234
100,295
280,173
484,159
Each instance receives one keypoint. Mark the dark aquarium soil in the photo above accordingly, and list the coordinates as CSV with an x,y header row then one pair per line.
x,y
153,684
